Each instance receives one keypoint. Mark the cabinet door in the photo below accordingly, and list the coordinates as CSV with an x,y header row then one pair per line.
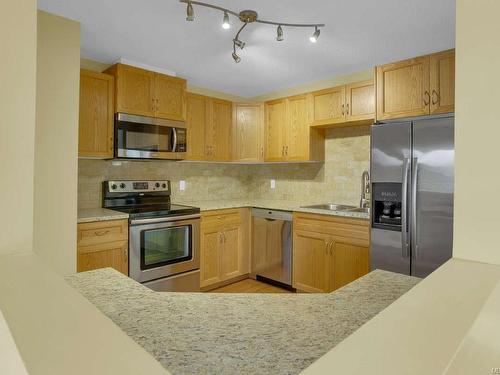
x,y
403,89
347,262
231,252
442,67
197,117
248,132
328,106
211,244
310,261
135,89
360,101
113,254
297,130
95,138
221,123
170,96
275,130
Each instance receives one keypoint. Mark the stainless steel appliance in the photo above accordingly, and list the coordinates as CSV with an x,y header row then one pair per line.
x,y
139,137
412,171
272,246
163,237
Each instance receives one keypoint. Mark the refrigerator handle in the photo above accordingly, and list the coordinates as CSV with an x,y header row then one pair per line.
x,y
414,185
404,208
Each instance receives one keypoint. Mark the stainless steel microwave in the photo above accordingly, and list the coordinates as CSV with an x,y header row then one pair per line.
x,y
140,137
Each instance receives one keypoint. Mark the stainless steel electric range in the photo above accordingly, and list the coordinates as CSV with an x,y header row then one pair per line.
x,y
164,238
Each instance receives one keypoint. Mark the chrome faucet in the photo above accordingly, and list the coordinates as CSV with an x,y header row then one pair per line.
x,y
365,190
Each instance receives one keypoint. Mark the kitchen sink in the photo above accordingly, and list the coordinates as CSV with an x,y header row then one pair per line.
x,y
331,207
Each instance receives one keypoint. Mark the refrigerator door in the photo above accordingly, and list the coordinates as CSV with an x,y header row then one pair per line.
x,y
390,146
432,194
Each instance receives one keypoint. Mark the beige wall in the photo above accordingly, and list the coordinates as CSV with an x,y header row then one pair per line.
x,y
477,135
56,141
337,180
17,123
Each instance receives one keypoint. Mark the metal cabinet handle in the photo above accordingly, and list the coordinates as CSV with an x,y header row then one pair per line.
x,y
262,151
347,110
101,233
342,109
435,96
286,150
428,97
283,151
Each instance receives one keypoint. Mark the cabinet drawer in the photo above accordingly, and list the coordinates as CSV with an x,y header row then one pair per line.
x,y
221,217
348,230
102,232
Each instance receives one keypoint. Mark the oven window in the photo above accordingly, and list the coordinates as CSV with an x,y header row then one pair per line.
x,y
160,247
132,136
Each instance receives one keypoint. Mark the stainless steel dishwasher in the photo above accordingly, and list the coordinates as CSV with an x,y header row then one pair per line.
x,y
272,246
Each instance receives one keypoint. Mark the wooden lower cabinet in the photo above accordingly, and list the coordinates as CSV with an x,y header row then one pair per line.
x,y
328,252
224,246
103,244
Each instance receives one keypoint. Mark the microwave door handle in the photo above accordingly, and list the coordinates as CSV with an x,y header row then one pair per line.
x,y
174,137
404,208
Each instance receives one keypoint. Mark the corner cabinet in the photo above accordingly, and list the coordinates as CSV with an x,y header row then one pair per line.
x,y
288,136
416,87
95,127
146,93
103,244
224,246
328,251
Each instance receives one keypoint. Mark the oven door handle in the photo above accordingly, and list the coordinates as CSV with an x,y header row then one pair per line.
x,y
164,219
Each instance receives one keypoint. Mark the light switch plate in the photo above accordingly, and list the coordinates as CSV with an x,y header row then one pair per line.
x,y
273,184
182,185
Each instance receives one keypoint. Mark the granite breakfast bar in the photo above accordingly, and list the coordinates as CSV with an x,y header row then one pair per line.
x,y
198,333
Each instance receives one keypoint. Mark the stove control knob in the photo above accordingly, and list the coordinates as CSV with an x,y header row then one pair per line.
x,y
113,187
122,185
157,185
164,186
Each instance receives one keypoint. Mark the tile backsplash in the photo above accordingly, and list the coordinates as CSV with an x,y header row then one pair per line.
x,y
337,180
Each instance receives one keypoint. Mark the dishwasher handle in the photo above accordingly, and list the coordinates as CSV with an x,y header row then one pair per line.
x,y
272,214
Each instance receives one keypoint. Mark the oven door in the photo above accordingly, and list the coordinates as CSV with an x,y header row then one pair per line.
x,y
163,247
139,137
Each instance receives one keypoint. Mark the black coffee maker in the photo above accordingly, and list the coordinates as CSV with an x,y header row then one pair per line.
x,y
387,206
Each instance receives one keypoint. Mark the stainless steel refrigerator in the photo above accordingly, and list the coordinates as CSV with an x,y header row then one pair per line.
x,y
412,168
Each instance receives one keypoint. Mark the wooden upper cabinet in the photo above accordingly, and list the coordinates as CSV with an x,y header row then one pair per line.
x,y
248,132
360,101
442,81
328,106
197,117
219,132
95,138
297,129
134,90
170,97
275,130
145,93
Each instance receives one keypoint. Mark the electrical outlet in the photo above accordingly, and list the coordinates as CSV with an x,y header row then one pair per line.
x,y
182,185
273,184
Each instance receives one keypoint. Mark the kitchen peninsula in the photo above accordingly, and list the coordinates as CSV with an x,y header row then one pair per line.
x,y
195,333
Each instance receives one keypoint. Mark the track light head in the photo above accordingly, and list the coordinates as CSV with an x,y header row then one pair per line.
x,y
189,12
225,22
315,36
236,58
239,43
279,34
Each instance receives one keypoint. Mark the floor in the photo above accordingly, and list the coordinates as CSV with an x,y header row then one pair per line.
x,y
250,286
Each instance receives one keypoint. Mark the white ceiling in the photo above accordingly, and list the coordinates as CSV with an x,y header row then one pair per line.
x,y
359,34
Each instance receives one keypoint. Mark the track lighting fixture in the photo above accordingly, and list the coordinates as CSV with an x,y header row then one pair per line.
x,y
189,12
279,34
315,36
246,17
225,23
239,43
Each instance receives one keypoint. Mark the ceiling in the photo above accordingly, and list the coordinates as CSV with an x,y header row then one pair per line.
x,y
359,34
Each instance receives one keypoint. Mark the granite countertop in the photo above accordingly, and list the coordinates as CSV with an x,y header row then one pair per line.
x,y
99,214
270,204
204,333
